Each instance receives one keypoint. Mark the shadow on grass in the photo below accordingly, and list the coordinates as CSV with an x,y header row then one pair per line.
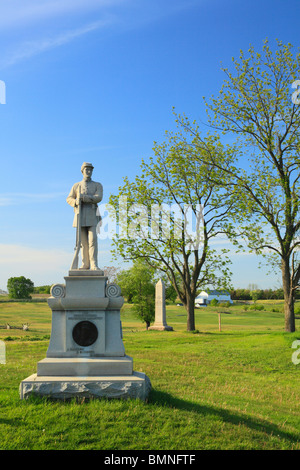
x,y
164,399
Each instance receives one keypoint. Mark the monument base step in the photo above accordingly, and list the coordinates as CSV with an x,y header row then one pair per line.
x,y
137,385
161,328
77,367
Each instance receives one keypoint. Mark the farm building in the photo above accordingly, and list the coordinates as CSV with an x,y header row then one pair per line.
x,y
205,297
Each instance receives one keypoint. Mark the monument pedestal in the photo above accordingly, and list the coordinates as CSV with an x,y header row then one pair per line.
x,y
86,355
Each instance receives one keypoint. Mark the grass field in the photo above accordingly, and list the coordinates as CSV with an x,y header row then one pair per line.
x,y
231,389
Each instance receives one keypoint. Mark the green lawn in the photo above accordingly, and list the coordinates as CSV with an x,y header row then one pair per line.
x,y
234,389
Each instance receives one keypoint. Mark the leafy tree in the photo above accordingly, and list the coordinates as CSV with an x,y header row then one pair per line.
x,y
255,295
19,287
137,285
176,187
42,289
125,281
256,108
170,293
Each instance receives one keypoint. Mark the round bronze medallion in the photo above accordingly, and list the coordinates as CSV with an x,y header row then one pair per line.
x,y
85,333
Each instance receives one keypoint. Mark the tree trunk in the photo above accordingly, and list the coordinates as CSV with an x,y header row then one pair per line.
x,y
289,315
190,308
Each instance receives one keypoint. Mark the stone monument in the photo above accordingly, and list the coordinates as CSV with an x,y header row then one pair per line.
x,y
86,355
160,322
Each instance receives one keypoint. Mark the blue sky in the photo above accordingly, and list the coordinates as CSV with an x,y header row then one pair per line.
x,y
96,80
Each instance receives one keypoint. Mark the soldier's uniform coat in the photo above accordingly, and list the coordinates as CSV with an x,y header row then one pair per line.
x,y
89,214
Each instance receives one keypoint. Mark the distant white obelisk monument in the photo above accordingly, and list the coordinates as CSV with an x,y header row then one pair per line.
x,y
160,322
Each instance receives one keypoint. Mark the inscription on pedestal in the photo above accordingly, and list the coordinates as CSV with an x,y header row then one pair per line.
x,y
85,333
83,316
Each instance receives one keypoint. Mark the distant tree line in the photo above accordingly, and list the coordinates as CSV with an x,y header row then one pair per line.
x,y
259,294
41,290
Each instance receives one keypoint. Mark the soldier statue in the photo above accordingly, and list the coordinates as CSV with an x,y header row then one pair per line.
x,y
84,197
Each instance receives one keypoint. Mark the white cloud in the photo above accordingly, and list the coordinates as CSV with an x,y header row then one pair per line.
x,y
20,18
27,18
18,254
41,265
6,201
27,198
31,48
16,13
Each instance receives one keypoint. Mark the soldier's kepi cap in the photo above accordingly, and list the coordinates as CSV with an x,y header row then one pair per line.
x,y
85,164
